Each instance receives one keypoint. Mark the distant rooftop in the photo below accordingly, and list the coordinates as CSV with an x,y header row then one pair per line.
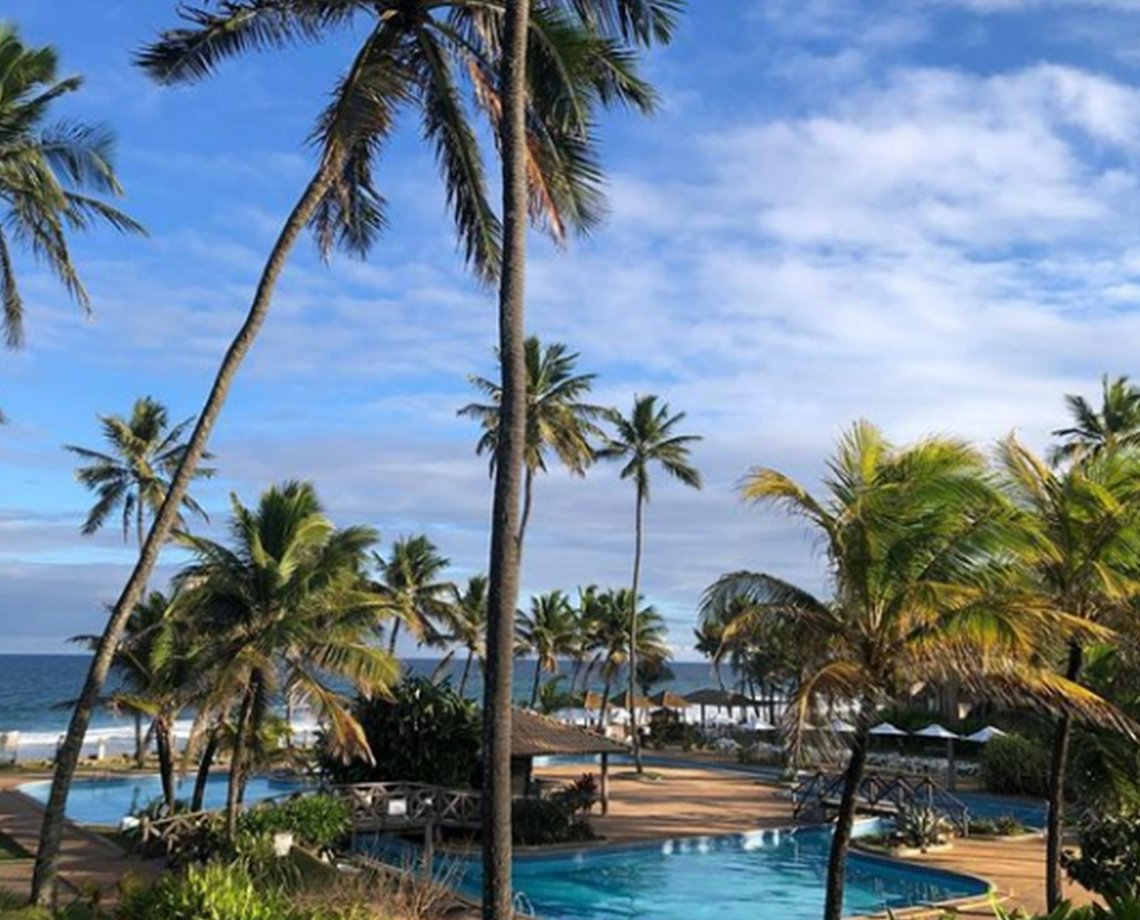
x,y
533,735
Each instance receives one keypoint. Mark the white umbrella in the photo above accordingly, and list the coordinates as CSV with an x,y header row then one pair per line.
x,y
937,731
985,735
888,730
840,727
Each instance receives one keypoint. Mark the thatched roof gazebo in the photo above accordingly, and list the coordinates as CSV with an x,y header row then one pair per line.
x,y
534,735
719,699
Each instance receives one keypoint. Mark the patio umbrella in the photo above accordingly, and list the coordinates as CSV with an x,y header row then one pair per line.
x,y
621,700
667,699
985,735
840,727
940,731
720,699
888,730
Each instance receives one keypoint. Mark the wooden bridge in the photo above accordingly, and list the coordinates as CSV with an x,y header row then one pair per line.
x,y
881,795
398,807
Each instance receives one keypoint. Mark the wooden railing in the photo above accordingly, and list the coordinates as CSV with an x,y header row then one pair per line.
x,y
882,795
172,831
409,806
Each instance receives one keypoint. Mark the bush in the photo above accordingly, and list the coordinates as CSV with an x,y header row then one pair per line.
x,y
316,821
214,891
1005,826
538,822
1109,860
424,733
922,828
1014,765
580,796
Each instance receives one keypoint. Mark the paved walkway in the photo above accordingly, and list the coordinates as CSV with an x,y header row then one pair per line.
x,y
88,862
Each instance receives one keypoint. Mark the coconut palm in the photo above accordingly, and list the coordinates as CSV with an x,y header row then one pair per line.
x,y
548,632
1088,520
608,631
49,174
557,419
624,23
288,608
412,591
467,623
646,439
1115,425
135,475
920,544
415,56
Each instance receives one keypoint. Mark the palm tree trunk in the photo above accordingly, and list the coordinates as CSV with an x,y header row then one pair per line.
x,y
844,821
605,702
534,686
633,635
466,671
237,762
47,860
204,765
164,742
392,638
140,742
1058,766
528,489
503,576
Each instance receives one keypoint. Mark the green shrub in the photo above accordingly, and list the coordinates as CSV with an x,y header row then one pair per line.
x,y
316,821
214,891
1109,858
423,733
538,822
1014,765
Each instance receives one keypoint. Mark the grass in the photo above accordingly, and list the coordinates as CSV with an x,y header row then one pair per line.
x,y
10,849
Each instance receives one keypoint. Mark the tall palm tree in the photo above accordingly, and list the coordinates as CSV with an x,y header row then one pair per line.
x,y
646,439
920,543
412,591
557,419
1115,425
413,56
49,175
288,607
1087,517
467,623
135,476
548,632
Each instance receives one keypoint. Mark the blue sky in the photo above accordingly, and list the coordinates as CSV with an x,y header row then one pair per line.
x,y
924,214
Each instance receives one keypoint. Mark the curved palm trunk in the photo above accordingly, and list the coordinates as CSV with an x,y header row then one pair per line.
x,y
528,490
47,860
140,742
1058,766
534,686
392,638
844,821
164,743
633,636
466,671
503,576
237,763
605,710
204,765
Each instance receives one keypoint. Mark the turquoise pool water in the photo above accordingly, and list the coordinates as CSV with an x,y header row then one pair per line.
x,y
107,801
777,874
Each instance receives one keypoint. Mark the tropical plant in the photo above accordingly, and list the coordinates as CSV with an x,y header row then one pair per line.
x,y
645,439
316,821
1014,765
1092,433
923,828
1087,521
49,174
288,609
420,732
413,592
557,420
416,61
919,542
135,476
547,632
542,822
1108,859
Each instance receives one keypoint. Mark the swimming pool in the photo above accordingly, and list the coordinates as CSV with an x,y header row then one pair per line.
x,y
107,801
768,873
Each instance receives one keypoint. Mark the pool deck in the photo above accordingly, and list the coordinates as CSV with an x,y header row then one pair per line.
x,y
88,862
691,801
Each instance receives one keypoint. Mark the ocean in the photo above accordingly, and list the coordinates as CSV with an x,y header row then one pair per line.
x,y
34,690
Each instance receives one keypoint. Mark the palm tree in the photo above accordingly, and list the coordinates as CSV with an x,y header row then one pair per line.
x,y
608,629
412,591
467,622
135,475
49,174
411,60
556,417
547,632
1087,517
288,607
645,439
920,544
1116,425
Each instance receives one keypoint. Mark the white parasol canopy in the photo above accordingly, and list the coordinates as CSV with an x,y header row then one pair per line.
x,y
937,731
889,730
986,735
